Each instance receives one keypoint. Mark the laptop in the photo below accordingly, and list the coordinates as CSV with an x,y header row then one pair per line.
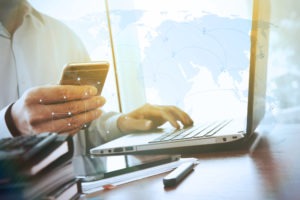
x,y
210,136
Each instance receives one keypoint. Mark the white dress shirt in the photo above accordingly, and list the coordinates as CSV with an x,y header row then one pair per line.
x,y
34,56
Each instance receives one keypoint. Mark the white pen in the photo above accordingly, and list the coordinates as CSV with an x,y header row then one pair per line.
x,y
174,177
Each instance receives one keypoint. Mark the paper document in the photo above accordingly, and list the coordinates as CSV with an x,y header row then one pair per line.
x,y
93,186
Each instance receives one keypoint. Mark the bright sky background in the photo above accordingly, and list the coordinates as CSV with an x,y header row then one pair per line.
x,y
68,9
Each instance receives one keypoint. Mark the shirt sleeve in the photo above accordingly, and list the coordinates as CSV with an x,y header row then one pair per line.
x,y
100,131
106,126
4,131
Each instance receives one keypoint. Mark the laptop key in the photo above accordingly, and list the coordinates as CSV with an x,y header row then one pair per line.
x,y
217,128
160,138
188,133
172,134
208,129
201,130
180,133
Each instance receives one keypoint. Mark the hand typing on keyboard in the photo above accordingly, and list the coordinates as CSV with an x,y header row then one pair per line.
x,y
150,117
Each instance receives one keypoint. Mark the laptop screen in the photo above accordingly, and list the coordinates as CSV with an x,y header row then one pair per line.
x,y
192,54
258,63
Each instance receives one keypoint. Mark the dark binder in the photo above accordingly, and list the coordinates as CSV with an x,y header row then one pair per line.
x,y
35,177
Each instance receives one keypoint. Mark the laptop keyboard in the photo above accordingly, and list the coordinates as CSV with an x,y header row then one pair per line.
x,y
204,130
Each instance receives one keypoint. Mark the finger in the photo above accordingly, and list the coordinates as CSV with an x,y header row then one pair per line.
x,y
68,109
171,118
71,131
172,114
158,114
66,124
76,107
127,124
161,114
181,116
61,93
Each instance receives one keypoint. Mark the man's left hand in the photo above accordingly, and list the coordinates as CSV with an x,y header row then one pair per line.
x,y
149,117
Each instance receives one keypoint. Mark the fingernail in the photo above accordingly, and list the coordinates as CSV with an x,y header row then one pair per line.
x,y
148,124
103,100
100,101
93,91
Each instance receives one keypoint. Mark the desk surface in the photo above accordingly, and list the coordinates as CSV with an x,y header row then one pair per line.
x,y
272,171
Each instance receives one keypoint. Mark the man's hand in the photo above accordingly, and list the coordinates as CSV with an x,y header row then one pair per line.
x,y
61,109
150,117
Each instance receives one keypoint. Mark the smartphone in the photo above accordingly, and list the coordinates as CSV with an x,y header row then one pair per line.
x,y
90,73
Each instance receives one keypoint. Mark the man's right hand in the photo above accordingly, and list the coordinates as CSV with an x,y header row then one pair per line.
x,y
61,109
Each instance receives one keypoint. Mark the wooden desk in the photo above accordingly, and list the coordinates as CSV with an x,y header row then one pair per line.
x,y
271,172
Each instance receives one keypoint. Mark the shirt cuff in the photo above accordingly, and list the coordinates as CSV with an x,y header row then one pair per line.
x,y
107,126
111,126
4,131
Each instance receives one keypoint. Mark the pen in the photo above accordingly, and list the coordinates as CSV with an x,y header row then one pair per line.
x,y
173,178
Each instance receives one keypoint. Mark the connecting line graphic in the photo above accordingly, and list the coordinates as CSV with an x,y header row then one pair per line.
x,y
84,80
67,116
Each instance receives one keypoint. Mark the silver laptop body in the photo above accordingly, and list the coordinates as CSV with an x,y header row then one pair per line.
x,y
209,136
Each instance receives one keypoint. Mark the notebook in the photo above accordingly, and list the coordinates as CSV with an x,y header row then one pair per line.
x,y
217,135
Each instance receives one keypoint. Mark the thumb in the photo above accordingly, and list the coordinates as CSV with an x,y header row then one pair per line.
x,y
127,124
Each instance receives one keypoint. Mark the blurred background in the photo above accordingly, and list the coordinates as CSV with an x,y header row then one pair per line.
x,y
88,20
284,59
